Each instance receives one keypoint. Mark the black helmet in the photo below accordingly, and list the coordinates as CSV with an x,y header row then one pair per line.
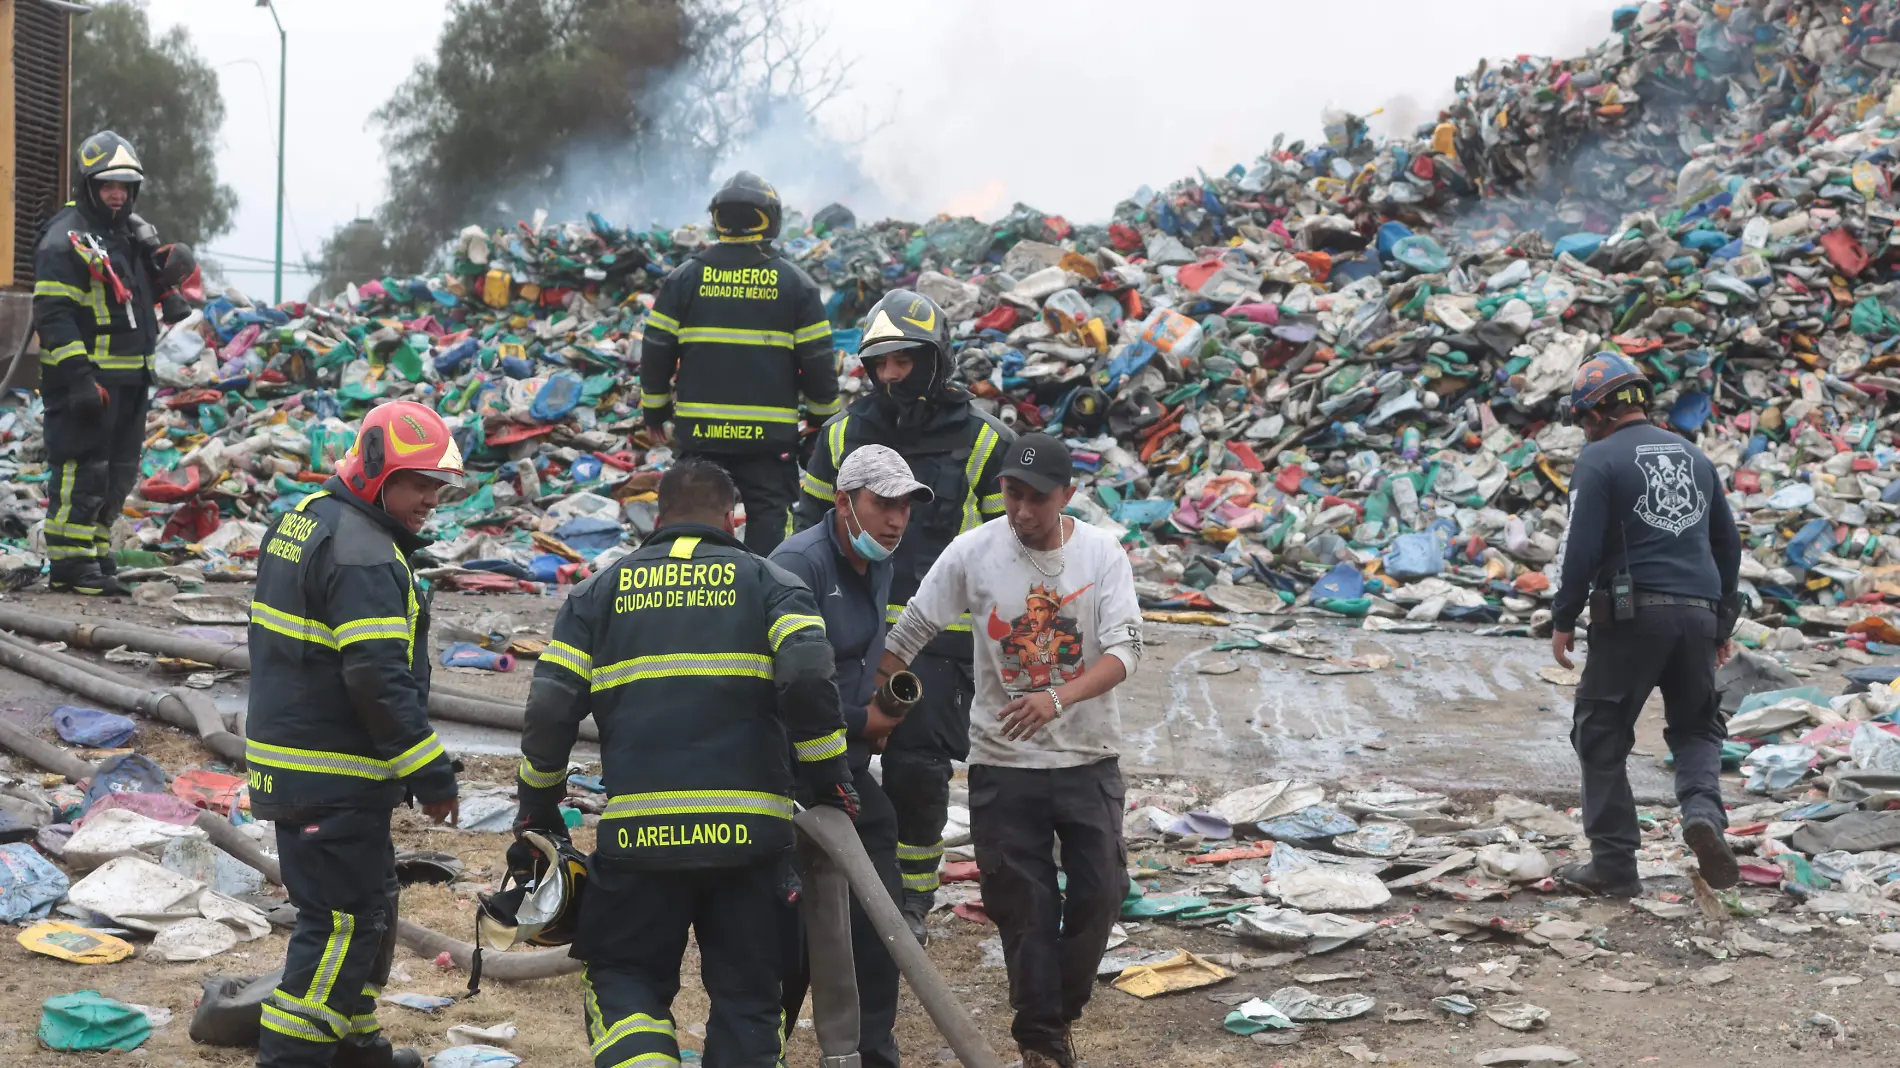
x,y
107,157
746,208
904,320
539,902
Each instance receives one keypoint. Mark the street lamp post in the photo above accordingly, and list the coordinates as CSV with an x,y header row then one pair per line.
x,y
283,62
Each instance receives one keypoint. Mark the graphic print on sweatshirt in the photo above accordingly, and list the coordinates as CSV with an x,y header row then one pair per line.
x,y
1671,501
1042,647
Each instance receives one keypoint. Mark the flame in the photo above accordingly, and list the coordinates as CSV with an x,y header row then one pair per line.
x,y
984,202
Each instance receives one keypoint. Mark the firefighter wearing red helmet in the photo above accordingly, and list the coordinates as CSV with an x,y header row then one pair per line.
x,y
337,732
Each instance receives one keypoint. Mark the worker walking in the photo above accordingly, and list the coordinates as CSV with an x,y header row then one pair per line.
x,y
99,271
708,674
736,339
1653,551
338,732
1059,629
846,561
956,450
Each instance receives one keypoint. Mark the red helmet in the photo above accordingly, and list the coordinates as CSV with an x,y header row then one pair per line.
x,y
399,436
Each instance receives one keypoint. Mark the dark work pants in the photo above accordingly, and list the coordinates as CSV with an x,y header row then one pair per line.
x,y
1671,646
877,973
917,770
632,935
340,869
768,485
1052,940
94,463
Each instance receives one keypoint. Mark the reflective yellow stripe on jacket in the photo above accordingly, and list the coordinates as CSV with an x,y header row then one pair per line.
x,y
725,335
697,802
986,440
752,413
320,762
677,665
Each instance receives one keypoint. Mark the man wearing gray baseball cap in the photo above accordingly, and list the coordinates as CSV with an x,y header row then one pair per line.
x,y
845,559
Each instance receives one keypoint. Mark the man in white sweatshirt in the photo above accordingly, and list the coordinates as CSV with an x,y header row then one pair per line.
x,y
1057,627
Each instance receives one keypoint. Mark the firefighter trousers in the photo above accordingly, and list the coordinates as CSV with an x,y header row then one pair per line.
x,y
339,866
93,464
768,484
917,771
632,936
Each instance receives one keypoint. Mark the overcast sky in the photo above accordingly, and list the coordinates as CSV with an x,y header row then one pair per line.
x,y
1068,105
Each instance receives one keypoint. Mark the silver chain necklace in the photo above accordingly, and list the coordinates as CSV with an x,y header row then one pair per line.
x,y
1062,556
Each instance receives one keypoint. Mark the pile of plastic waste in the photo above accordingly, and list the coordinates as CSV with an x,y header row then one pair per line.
x,y
1327,378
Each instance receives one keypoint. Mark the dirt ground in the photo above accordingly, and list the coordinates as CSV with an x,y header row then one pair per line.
x,y
1267,721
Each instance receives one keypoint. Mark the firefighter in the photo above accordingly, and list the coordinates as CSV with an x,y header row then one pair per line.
x,y
736,337
955,450
100,270
337,730
707,671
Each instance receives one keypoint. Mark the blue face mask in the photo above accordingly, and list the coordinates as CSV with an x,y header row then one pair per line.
x,y
863,543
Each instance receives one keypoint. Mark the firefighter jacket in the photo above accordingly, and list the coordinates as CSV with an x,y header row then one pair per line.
x,y
82,322
736,335
707,672
957,452
340,664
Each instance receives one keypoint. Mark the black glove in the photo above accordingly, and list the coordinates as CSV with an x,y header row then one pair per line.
x,y
87,397
143,232
839,795
173,308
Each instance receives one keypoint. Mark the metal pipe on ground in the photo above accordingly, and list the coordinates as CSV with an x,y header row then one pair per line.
x,y
445,702
831,831
180,708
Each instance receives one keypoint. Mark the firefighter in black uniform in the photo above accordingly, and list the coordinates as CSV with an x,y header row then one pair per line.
x,y
708,674
955,450
99,271
736,336
337,730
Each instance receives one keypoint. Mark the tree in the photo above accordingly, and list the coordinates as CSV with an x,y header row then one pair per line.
x,y
512,85
157,93
356,252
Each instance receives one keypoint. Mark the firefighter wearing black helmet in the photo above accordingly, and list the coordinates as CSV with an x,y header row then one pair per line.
x,y
736,342
956,450
101,273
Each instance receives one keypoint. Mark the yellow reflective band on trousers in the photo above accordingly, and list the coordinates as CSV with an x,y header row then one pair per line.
x,y
754,413
986,440
922,884
637,1024
564,655
541,780
823,747
319,762
697,802
914,852
817,487
729,336
676,665
893,612
298,627
788,625
295,1026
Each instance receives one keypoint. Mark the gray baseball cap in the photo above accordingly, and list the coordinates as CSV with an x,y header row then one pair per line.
x,y
882,471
